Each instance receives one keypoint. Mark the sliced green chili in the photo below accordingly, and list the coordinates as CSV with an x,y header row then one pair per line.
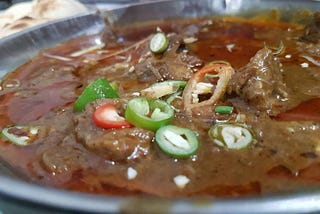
x,y
177,142
149,114
173,96
114,86
98,89
231,135
159,43
175,83
223,109
20,135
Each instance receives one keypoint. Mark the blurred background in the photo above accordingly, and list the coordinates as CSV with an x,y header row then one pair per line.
x,y
4,4
16,15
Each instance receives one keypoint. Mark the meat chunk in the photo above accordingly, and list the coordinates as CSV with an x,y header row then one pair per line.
x,y
175,63
261,83
312,30
310,41
119,145
63,158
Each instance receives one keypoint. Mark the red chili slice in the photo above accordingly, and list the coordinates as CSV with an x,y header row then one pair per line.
x,y
106,116
224,72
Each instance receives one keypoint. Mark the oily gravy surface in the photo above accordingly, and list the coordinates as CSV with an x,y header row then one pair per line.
x,y
269,76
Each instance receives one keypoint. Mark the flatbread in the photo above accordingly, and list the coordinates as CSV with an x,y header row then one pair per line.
x,y
27,14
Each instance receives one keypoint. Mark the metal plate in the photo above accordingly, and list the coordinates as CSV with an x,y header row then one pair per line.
x,y
20,47
17,49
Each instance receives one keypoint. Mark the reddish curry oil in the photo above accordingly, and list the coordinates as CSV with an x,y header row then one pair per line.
x,y
283,157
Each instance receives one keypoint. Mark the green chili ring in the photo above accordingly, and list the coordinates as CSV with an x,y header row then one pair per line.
x,y
177,142
148,114
20,135
159,43
231,135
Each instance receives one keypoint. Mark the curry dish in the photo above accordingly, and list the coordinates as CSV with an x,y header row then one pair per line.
x,y
219,106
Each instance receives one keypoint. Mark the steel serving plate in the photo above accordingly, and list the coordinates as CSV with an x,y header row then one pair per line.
x,y
18,196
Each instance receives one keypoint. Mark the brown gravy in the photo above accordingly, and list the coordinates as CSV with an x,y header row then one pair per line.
x,y
285,156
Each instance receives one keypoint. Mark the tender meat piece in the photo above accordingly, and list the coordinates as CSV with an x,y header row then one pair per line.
x,y
64,158
310,48
261,83
175,63
312,30
152,70
119,145
310,41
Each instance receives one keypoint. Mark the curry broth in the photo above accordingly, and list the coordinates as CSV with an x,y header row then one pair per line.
x,y
284,156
